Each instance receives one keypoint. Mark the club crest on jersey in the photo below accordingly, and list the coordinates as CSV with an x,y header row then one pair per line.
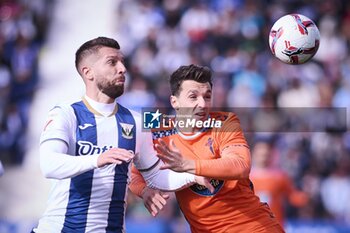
x,y
127,130
210,145
203,191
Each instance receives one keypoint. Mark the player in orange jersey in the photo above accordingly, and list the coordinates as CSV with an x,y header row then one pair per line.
x,y
271,184
219,153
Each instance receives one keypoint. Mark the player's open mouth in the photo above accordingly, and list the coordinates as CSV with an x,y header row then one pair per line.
x,y
200,114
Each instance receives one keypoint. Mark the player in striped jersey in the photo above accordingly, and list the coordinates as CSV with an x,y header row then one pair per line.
x,y
86,148
220,153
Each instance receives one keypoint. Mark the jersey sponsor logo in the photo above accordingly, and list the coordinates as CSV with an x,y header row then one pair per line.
x,y
127,130
203,191
85,126
87,148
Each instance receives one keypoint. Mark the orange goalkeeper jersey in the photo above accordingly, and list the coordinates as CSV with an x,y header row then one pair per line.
x,y
233,207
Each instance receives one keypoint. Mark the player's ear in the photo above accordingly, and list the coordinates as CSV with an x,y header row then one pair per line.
x,y
87,72
174,102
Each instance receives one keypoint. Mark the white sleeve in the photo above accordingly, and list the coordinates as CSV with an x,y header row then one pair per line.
x,y
55,160
58,125
148,164
56,164
167,180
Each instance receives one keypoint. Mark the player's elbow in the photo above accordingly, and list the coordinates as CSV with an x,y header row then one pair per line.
x,y
236,174
48,175
151,178
46,172
53,175
45,168
242,173
155,184
50,172
245,172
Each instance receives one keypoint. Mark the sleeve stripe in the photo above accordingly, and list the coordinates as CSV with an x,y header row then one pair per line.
x,y
226,147
150,168
49,139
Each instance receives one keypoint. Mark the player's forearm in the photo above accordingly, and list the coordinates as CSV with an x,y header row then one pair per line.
x,y
137,188
167,180
57,165
235,163
223,168
137,183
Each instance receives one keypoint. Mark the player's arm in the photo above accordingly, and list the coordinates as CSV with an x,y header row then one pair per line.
x,y
56,163
153,199
137,183
234,161
149,166
233,164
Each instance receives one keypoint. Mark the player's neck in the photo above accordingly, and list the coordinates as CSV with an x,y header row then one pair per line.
x,y
100,97
105,109
189,135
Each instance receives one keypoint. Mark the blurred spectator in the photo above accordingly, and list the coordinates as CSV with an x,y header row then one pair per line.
x,y
137,96
5,82
198,20
272,184
335,191
297,90
22,32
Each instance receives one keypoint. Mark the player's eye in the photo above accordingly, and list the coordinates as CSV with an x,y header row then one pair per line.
x,y
112,62
192,97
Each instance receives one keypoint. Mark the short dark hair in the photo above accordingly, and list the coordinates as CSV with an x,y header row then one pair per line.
x,y
201,74
92,46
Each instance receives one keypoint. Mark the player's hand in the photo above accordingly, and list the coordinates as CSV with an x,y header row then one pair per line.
x,y
172,158
205,182
114,156
154,200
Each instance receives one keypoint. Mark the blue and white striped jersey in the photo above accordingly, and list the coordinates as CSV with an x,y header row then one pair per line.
x,y
85,198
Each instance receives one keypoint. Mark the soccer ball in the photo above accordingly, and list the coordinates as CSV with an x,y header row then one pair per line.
x,y
294,39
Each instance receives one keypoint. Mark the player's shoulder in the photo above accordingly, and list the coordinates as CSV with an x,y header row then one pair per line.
x,y
166,129
64,107
163,133
229,122
224,116
136,114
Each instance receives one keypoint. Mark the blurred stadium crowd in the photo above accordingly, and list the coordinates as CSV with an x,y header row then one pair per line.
x,y
23,26
231,37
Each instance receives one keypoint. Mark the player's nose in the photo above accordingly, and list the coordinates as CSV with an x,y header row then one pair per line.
x,y
201,103
121,68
